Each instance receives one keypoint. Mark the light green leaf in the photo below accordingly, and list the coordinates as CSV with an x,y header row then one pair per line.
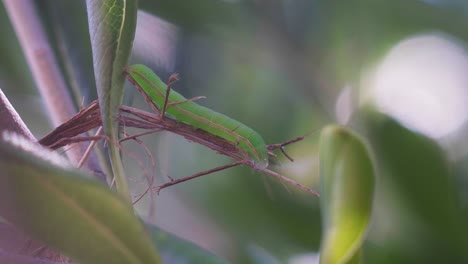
x,y
347,184
176,250
54,203
112,26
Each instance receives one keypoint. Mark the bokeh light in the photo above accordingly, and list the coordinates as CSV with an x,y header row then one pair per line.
x,y
422,82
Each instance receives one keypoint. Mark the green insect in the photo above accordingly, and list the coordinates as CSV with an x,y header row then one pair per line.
x,y
200,117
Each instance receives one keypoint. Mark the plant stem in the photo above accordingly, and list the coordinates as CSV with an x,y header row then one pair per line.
x,y
10,120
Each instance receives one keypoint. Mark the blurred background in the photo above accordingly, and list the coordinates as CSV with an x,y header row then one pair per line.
x,y
395,71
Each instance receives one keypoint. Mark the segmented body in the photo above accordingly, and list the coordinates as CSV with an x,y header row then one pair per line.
x,y
201,117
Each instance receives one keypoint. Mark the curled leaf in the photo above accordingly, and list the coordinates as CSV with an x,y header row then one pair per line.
x,y
347,184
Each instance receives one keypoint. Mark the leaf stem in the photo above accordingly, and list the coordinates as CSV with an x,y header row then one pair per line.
x,y
118,170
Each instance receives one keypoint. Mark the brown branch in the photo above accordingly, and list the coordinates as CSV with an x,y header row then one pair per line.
x,y
86,119
141,119
10,119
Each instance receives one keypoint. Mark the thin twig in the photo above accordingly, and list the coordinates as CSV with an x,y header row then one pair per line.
x,y
90,147
289,181
145,120
220,168
173,78
153,165
281,146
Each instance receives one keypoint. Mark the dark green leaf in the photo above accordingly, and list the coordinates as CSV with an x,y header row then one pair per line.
x,y
414,169
54,203
175,250
196,15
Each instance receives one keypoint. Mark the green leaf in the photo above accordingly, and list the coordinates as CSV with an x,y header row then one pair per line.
x,y
416,175
176,250
347,185
112,26
54,203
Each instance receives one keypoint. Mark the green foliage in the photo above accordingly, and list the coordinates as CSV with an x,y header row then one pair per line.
x,y
46,198
176,250
415,174
278,67
203,14
347,187
112,28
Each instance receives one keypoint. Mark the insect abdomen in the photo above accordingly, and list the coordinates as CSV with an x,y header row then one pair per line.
x,y
201,117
